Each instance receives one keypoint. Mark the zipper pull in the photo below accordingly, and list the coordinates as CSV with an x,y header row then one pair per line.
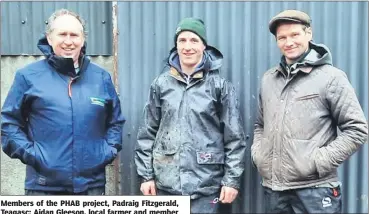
x,y
70,85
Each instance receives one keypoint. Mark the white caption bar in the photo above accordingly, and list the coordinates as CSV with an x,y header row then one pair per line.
x,y
95,204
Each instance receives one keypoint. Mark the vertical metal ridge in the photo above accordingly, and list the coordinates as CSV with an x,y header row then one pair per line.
x,y
20,38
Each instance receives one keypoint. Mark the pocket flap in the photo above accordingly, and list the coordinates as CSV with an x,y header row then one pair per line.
x,y
306,97
210,157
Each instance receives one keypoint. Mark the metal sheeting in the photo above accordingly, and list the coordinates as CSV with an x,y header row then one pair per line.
x,y
240,31
22,24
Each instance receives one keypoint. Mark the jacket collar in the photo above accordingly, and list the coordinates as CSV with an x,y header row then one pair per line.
x,y
306,70
175,73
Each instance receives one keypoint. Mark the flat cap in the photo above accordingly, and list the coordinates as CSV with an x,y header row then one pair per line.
x,y
289,16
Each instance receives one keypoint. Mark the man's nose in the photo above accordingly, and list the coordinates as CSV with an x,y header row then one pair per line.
x,y
289,41
68,40
187,46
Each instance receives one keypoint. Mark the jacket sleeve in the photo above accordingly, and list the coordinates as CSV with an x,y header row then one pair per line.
x,y
147,134
114,119
234,137
349,117
15,142
258,129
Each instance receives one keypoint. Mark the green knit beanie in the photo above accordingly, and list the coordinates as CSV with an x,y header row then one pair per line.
x,y
194,25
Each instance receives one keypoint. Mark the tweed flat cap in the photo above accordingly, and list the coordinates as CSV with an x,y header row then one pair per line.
x,y
289,16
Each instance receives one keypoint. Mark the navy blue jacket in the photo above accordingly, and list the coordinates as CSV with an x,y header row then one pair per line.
x,y
65,126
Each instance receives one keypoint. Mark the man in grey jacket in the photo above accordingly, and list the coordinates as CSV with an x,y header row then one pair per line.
x,y
192,140
302,102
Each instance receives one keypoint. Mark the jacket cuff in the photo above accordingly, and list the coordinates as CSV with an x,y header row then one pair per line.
x,y
232,184
147,178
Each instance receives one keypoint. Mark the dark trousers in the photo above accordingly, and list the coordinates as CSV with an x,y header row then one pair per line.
x,y
203,204
307,200
91,191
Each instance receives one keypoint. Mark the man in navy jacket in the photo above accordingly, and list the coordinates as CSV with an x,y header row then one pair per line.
x,y
62,116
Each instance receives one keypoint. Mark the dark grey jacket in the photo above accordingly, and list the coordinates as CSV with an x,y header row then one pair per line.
x,y
192,140
296,143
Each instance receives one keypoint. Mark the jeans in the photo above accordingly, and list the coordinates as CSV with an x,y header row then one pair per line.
x,y
306,200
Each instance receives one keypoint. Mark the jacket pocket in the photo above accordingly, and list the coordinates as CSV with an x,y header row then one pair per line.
x,y
306,97
209,170
262,158
297,160
49,171
37,161
210,157
95,156
41,164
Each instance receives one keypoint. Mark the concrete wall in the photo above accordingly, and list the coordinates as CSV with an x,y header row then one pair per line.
x,y
12,170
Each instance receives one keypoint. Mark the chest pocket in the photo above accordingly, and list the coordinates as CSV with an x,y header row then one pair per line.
x,y
307,97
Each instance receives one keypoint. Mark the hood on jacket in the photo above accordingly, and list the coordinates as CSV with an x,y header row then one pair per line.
x,y
61,64
212,60
318,54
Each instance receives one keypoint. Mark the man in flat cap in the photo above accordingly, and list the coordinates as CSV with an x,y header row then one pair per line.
x,y
192,141
302,102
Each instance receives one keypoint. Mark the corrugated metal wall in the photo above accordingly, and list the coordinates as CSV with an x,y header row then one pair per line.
x,y
23,23
240,31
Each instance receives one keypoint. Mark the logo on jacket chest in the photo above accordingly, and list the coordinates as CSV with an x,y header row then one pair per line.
x,y
98,101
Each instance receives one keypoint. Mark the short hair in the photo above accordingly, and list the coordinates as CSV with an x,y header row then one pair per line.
x,y
62,12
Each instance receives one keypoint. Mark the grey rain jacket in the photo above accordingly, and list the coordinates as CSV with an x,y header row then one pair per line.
x,y
192,140
296,144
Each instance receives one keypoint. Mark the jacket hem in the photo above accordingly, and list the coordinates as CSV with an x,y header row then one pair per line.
x,y
62,189
194,195
298,185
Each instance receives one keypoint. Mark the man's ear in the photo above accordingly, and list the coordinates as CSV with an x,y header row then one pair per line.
x,y
83,40
203,47
48,37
